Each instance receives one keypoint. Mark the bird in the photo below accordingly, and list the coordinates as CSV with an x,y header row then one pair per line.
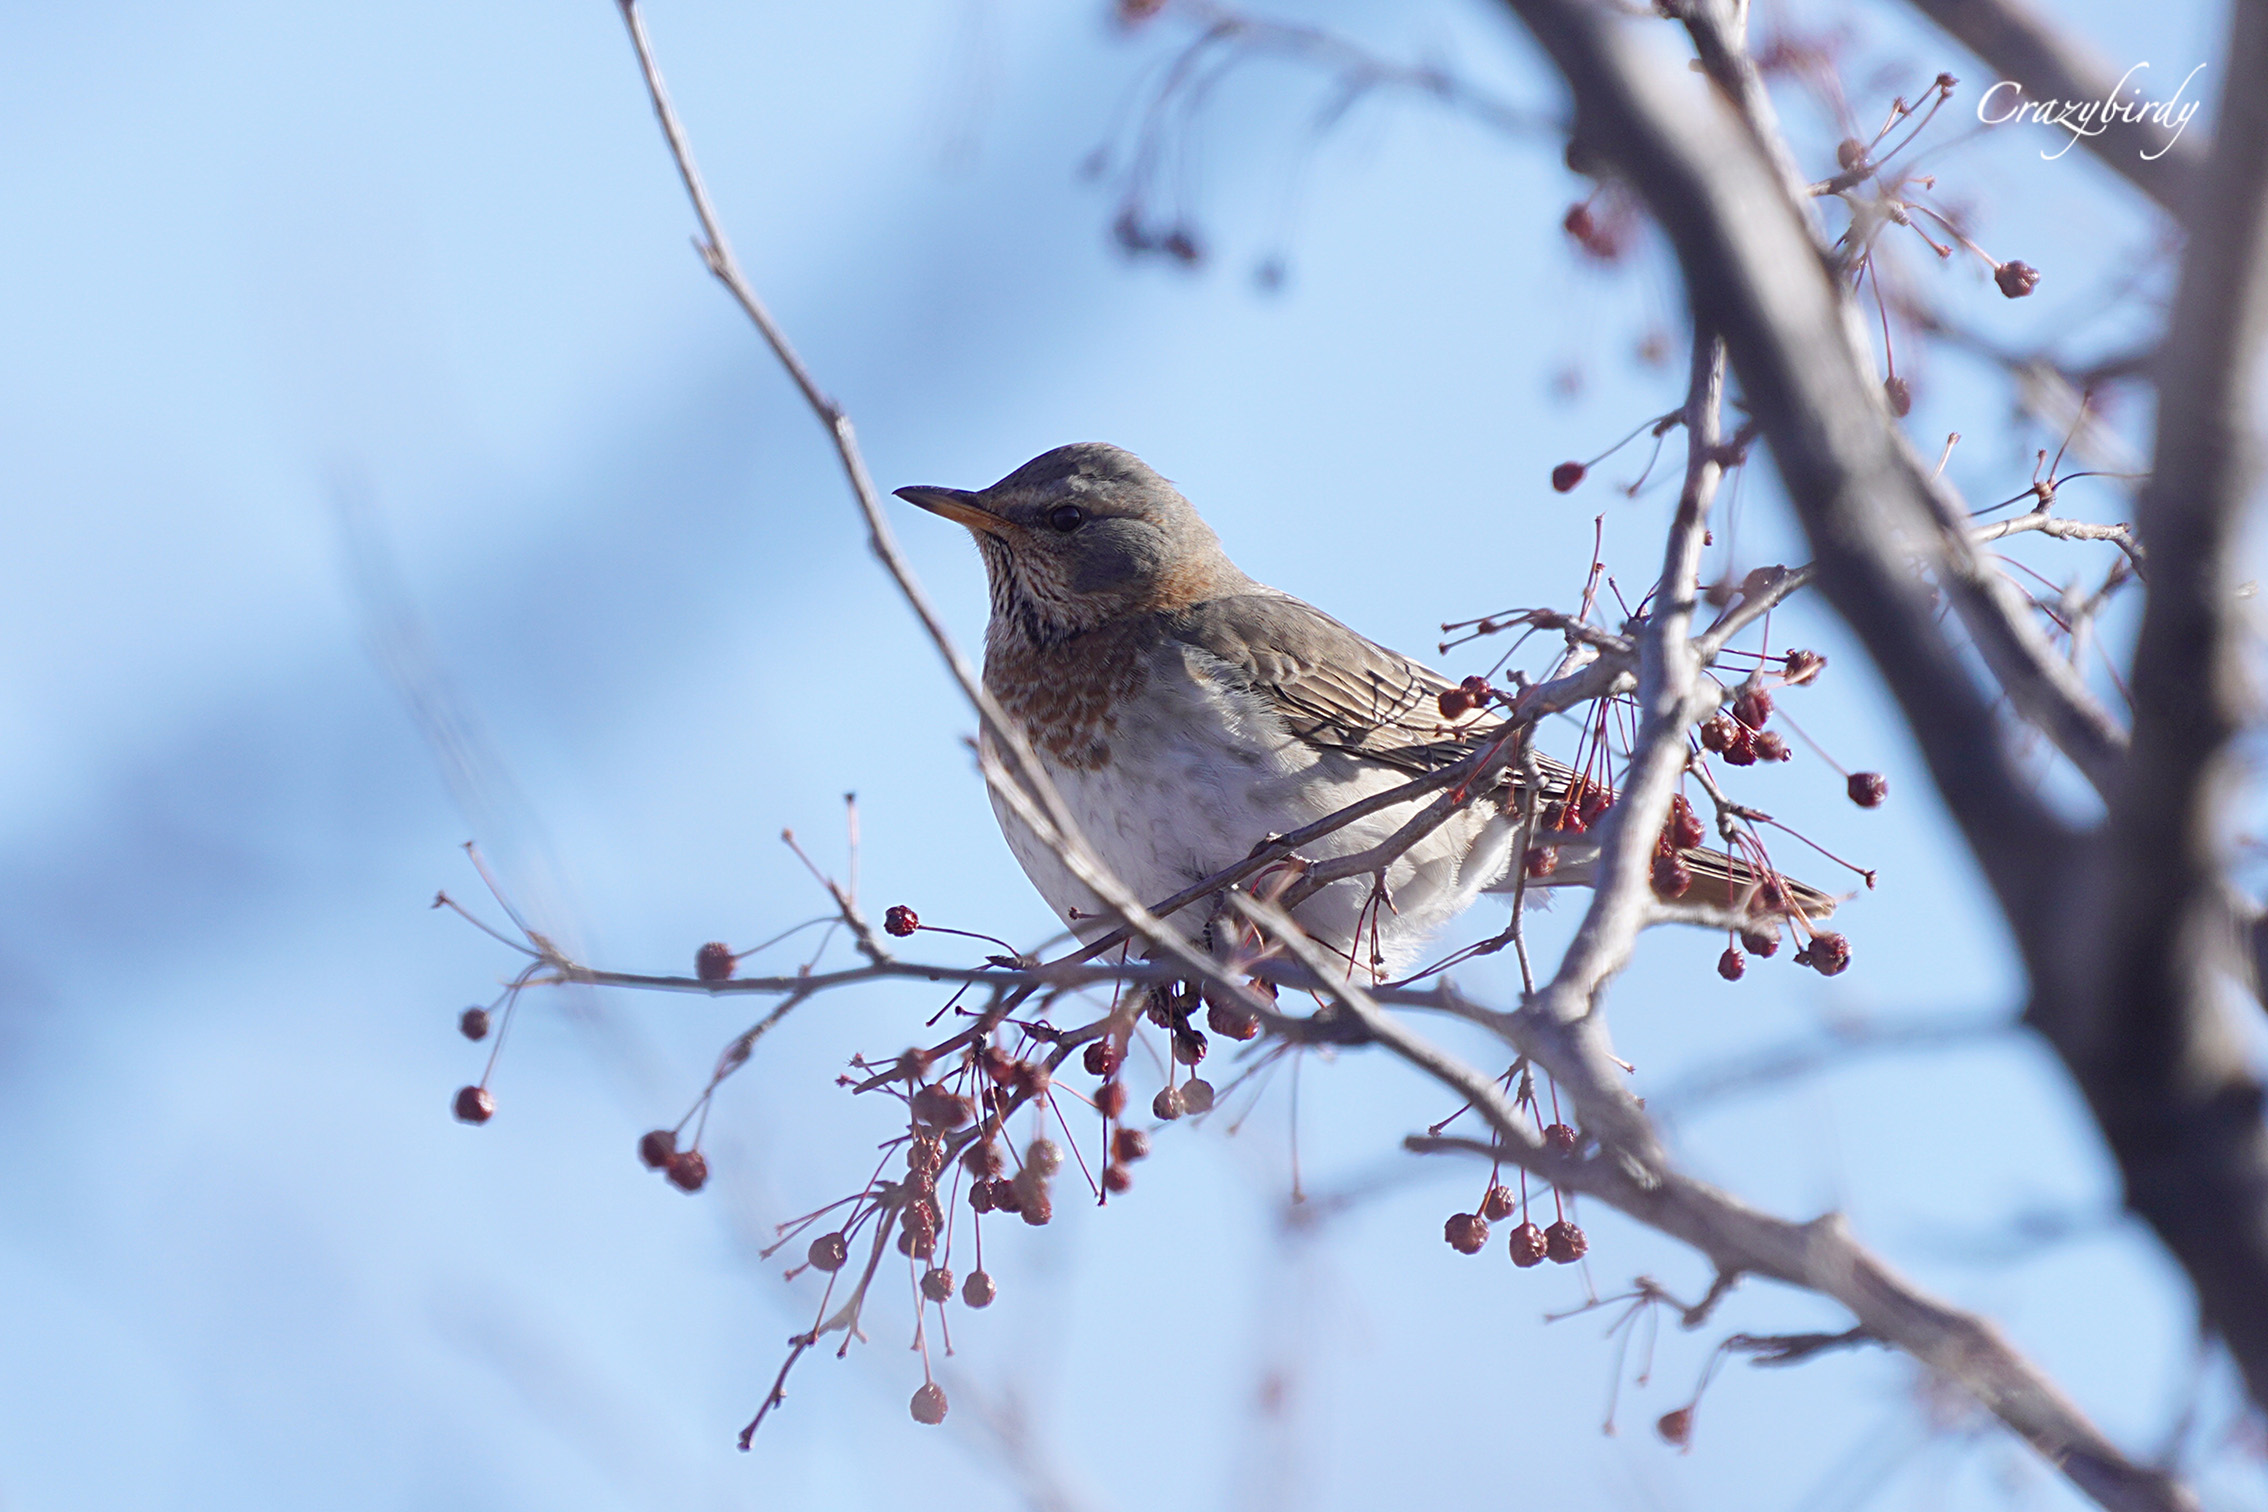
x,y
1187,713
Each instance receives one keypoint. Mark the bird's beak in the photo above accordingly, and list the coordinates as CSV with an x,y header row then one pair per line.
x,y
955,504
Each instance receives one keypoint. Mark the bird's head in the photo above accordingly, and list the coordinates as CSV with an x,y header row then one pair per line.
x,y
1081,536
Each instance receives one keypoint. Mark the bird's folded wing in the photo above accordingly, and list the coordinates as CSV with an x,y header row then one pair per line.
x,y
1334,688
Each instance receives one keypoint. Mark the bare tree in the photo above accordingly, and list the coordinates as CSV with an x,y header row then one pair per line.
x,y
2133,935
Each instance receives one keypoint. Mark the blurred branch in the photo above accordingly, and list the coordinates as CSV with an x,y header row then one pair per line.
x,y
1836,1045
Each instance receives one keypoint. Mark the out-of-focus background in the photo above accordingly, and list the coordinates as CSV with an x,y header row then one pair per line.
x,y
355,353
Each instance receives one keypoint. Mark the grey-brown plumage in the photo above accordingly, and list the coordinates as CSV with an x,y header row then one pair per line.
x,y
1188,713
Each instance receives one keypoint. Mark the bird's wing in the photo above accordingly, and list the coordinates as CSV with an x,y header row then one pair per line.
x,y
1334,688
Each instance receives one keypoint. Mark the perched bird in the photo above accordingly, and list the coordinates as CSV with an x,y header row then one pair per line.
x,y
1187,713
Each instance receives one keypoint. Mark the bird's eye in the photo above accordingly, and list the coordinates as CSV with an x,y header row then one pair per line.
x,y
1067,517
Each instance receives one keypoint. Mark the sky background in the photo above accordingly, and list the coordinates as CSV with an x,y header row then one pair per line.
x,y
328,327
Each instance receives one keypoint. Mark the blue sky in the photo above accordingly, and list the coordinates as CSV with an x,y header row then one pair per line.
x,y
267,262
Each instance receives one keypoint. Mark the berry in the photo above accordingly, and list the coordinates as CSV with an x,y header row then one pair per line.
x,y
2016,279
828,1252
1676,1427
656,1147
1455,703
1129,1145
1578,222
1034,1205
1740,750
1230,1021
1168,1104
1671,875
1732,964
1110,1097
1188,1046
1564,1243
1771,746
937,1284
1900,393
978,1290
1561,1138
688,1170
1542,860
1752,706
1566,475
1116,1178
713,962
1196,1096
900,920
1803,666
929,1404
917,1232
1529,1246
1757,943
1596,801
1868,789
1044,1156
1828,953
1101,1058
475,1105
473,1023
1849,153
1467,1233
1684,829
920,1185
1497,1204
940,1107
1716,733
1000,1196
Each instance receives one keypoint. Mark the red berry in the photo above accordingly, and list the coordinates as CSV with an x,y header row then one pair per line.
x,y
1868,789
1828,953
980,1196
1803,666
1497,1204
1685,829
474,1105
828,1252
1672,877
937,1283
1116,1178
917,1232
1044,1156
900,920
1596,801
1129,1145
655,1148
1566,475
1562,1139
1578,222
1467,1233
1454,703
1732,965
1529,1246
1900,393
1110,1097
1564,1243
1752,706
1196,1096
1758,943
1034,1205
929,1404
1676,1427
1006,1198
925,1155
2016,279
978,1290
473,1023
1542,860
688,1170
940,1107
1188,1046
1478,688
1740,750
1771,746
1167,1104
1716,733
1230,1021
713,962
1101,1057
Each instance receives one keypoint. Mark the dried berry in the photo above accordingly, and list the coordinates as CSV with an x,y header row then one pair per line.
x,y
1034,1205
1129,1145
1467,1233
1672,877
473,1023
1752,706
1562,1139
1868,789
1478,688
920,1185
1110,1098
1497,1204
1167,1104
1595,802
1828,953
1732,965
1529,1246
474,1105
1900,393
937,1284
1230,1021
1849,153
1803,666
1771,746
1031,1079
1188,1046
900,920
1005,1198
917,1232
980,1196
656,1146
926,1155
1196,1096
1542,860
1564,1243
929,1404
688,1170
1101,1058
940,1107
1158,1008
713,962
1676,1427
1566,475
2016,279
1684,829
1116,1178
1716,732
978,1290
1454,703
1740,750
1758,943
1044,1156
828,1252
